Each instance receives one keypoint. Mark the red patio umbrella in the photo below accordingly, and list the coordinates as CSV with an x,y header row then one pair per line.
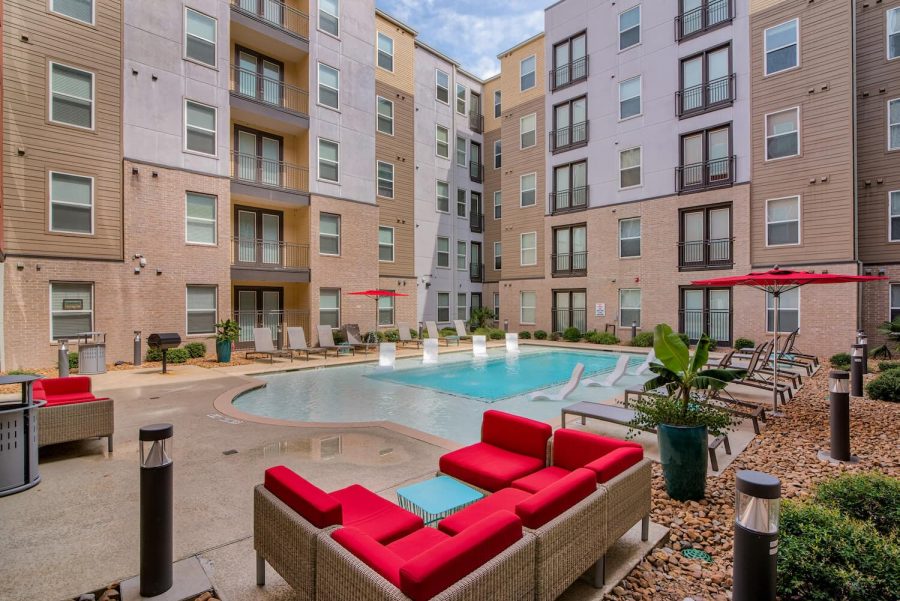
x,y
778,281
376,294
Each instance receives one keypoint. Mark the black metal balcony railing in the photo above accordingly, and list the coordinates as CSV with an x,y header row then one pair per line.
x,y
575,199
569,73
715,253
277,14
277,321
706,96
716,323
569,264
261,171
570,136
569,318
254,86
716,173
476,272
476,171
707,15
269,254
476,121
476,222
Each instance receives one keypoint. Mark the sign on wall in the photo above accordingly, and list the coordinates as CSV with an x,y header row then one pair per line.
x,y
600,310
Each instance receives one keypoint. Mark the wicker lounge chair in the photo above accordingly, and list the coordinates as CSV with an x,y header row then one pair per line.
x,y
433,332
297,343
351,330
265,347
326,340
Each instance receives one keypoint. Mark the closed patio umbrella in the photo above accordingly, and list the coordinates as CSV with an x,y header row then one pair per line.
x,y
376,294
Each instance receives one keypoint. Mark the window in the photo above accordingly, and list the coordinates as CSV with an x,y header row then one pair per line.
x,y
629,168
385,116
705,239
788,311
498,204
894,216
782,47
497,104
329,86
72,96
386,244
528,131
498,256
443,197
443,306
443,251
71,309
199,128
570,124
330,307
527,69
630,28
705,159
894,124
329,18
462,308
498,154
629,307
385,179
442,135
199,37
461,255
783,221
71,203
630,237
893,33
386,310
570,189
630,98
701,15
329,160
80,10
497,305
569,61
706,81
895,301
201,310
570,250
460,99
527,190
200,218
528,249
329,234
385,52
460,203
527,303
460,151
783,134
442,86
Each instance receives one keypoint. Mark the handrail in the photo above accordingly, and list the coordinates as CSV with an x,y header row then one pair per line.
x,y
275,13
569,136
256,86
573,199
568,73
705,174
269,172
268,254
706,95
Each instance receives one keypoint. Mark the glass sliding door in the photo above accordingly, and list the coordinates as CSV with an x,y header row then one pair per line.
x,y
246,237
271,238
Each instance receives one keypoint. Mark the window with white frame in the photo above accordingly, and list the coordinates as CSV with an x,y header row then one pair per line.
x,y
527,304
71,203
894,216
199,37
498,256
72,96
630,168
443,197
630,237
385,116
894,124
528,131
71,309
462,306
498,204
442,86
386,244
385,52
329,17
329,234
783,134
893,33
629,307
497,305
201,309
460,151
199,128
894,302
443,251
461,255
527,69
442,137
498,154
329,160
385,179
782,44
528,190
460,99
528,249
630,28
783,221
443,306
200,218
788,311
80,10
498,108
329,86
330,307
630,98
460,203
386,310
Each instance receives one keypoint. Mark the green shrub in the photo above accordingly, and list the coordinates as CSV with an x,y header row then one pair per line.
x,y
555,336
448,332
175,355
840,360
644,339
886,387
572,334
73,360
374,336
742,343
338,336
887,365
21,372
602,338
685,339
872,498
526,335
490,333
540,335
195,350
391,335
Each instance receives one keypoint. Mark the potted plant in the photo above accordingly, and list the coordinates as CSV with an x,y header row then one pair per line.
x,y
679,410
227,332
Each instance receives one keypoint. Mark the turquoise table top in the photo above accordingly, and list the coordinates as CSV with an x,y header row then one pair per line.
x,y
437,498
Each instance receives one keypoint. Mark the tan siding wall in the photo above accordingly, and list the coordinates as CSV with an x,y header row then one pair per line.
x,y
403,77
492,183
510,82
491,122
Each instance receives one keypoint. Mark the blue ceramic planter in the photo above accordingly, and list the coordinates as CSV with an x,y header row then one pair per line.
x,y
223,351
682,451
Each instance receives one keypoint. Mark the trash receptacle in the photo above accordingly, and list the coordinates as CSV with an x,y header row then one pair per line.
x,y
91,353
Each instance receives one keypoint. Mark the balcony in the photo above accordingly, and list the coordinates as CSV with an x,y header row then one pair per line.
x,y
476,171
569,318
476,222
717,173
269,260
476,272
710,14
705,97
567,201
268,179
268,103
277,321
706,254
476,122
568,74
572,264
277,29
716,323
571,136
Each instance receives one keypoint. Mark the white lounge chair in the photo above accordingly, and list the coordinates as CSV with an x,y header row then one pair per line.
x,y
430,350
612,378
479,346
566,390
461,329
263,345
651,357
297,343
387,355
512,343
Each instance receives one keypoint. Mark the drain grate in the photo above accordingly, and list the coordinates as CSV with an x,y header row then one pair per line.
x,y
697,554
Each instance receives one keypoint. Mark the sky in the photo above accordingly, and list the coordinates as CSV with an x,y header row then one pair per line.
x,y
473,32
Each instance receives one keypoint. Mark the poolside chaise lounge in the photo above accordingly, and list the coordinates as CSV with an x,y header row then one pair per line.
x,y
265,347
461,329
479,346
613,377
297,343
326,340
790,352
734,360
72,412
433,333
351,330
566,390
640,369
403,331
512,342
755,378
387,355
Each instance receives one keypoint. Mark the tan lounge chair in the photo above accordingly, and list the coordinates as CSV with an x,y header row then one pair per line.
x,y
297,343
433,332
403,331
355,339
265,347
326,339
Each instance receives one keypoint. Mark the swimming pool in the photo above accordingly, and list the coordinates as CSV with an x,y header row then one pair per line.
x,y
445,400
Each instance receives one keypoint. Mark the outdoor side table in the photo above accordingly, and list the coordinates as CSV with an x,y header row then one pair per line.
x,y
19,438
344,349
435,499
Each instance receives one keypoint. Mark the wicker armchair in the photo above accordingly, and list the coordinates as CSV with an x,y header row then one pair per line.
x,y
72,412
629,501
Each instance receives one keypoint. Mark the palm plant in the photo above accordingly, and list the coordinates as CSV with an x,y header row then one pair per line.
x,y
891,329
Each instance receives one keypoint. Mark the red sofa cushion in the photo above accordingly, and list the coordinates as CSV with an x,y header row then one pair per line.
x,y
540,479
488,467
417,543
615,462
70,399
515,433
72,387
314,504
502,500
375,515
541,507
573,449
455,558
371,552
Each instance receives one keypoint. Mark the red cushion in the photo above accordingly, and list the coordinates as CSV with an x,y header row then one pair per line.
x,y
615,462
573,448
375,515
50,387
314,504
487,466
455,558
417,543
70,399
502,500
370,552
540,479
541,507
517,434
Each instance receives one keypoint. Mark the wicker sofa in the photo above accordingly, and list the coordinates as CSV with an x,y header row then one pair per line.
x,y
72,412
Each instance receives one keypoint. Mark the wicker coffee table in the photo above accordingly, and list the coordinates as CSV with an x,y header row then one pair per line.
x,y
435,499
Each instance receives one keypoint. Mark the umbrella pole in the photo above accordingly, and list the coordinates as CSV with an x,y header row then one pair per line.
x,y
777,295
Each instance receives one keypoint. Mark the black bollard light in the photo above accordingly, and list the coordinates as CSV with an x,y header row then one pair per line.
x,y
137,348
862,339
633,329
757,505
857,357
62,358
839,418
156,509
506,325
